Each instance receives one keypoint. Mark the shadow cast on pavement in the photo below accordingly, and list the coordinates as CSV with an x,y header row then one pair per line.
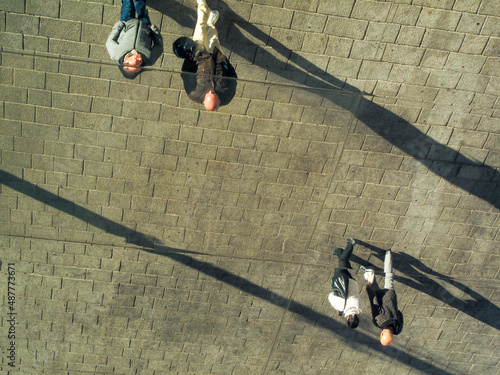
x,y
422,278
459,170
355,339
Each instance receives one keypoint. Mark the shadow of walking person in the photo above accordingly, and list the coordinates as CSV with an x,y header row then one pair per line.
x,y
419,276
153,245
285,65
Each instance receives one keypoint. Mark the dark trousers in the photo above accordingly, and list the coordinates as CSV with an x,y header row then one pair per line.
x,y
131,7
344,264
344,256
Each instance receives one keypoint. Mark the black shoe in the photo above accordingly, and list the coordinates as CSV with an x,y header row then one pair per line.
x,y
338,252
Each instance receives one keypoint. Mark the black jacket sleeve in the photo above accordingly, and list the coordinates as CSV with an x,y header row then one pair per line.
x,y
340,283
188,75
226,77
385,313
210,71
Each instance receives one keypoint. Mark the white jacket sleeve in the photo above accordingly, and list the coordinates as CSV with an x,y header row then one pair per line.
x,y
354,303
336,302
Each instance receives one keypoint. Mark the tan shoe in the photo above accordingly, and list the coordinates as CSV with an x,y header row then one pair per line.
x,y
214,16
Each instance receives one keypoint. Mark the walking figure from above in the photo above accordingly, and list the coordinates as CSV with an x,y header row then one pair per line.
x,y
384,302
208,76
345,290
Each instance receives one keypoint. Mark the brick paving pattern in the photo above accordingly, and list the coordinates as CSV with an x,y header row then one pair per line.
x,y
148,236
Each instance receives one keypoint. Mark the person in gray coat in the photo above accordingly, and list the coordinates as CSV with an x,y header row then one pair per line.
x,y
134,41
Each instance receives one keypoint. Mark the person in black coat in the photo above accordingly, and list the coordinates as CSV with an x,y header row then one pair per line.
x,y
384,302
208,76
345,290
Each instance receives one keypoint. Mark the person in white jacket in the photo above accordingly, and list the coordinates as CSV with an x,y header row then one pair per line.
x,y
345,290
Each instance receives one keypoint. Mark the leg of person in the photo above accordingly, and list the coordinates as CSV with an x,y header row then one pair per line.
x,y
344,257
389,275
200,31
374,285
142,11
212,35
128,11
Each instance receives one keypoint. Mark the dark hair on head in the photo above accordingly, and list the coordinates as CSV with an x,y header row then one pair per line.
x,y
353,321
182,47
128,74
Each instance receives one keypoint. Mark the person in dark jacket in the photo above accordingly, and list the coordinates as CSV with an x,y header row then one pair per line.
x,y
134,41
345,290
384,303
208,76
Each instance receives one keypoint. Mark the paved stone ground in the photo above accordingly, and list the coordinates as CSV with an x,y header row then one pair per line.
x,y
143,235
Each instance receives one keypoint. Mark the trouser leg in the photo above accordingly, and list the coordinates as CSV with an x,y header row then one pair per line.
x,y
142,11
389,275
344,256
213,38
374,285
127,11
344,263
200,31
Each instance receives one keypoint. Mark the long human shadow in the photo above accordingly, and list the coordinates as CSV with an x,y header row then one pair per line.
x,y
418,276
150,244
469,175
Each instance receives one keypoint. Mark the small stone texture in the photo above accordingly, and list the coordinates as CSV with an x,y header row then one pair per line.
x,y
148,236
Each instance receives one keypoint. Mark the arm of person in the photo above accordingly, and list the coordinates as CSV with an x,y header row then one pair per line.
x,y
227,69
195,86
337,303
157,48
188,75
399,324
374,304
223,65
353,298
226,80
112,42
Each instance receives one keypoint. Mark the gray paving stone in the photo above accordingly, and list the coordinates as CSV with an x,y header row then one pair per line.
x,y
406,14
489,28
440,19
72,102
463,63
80,11
491,9
22,24
340,27
54,28
277,17
308,22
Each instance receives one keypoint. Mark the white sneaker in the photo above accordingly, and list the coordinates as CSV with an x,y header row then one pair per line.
x,y
214,16
369,275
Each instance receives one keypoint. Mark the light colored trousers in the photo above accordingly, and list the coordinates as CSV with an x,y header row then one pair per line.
x,y
389,275
203,32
